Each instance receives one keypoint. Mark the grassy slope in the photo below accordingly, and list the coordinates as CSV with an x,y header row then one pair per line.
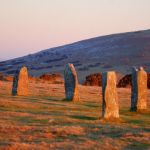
x,y
44,121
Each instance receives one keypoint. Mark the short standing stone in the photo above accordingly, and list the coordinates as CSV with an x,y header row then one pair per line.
x,y
139,90
20,82
110,107
71,83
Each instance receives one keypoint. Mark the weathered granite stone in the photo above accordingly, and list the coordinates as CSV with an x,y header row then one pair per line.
x,y
139,90
71,83
20,82
110,107
134,90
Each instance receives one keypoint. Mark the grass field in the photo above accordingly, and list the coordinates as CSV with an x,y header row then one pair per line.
x,y
44,120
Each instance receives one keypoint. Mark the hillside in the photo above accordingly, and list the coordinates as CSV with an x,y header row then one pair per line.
x,y
117,52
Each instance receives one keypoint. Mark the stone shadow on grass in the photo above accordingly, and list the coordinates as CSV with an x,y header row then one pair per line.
x,y
84,117
138,146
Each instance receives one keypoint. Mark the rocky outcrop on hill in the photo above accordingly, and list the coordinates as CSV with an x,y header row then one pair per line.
x,y
93,80
148,80
1,76
125,81
96,79
5,78
52,78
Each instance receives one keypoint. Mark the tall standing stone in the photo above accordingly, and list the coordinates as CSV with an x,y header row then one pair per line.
x,y
134,89
20,82
139,90
71,83
110,106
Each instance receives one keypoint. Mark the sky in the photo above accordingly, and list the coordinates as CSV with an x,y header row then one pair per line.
x,y
28,26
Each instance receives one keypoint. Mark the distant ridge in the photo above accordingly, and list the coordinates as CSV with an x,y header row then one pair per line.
x,y
117,52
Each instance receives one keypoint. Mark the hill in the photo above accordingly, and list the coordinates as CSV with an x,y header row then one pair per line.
x,y
117,52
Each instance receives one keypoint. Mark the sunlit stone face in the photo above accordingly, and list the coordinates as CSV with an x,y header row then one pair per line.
x,y
110,107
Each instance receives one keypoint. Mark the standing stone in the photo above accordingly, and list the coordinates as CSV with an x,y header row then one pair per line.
x,y
139,90
71,83
20,82
110,107
134,89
